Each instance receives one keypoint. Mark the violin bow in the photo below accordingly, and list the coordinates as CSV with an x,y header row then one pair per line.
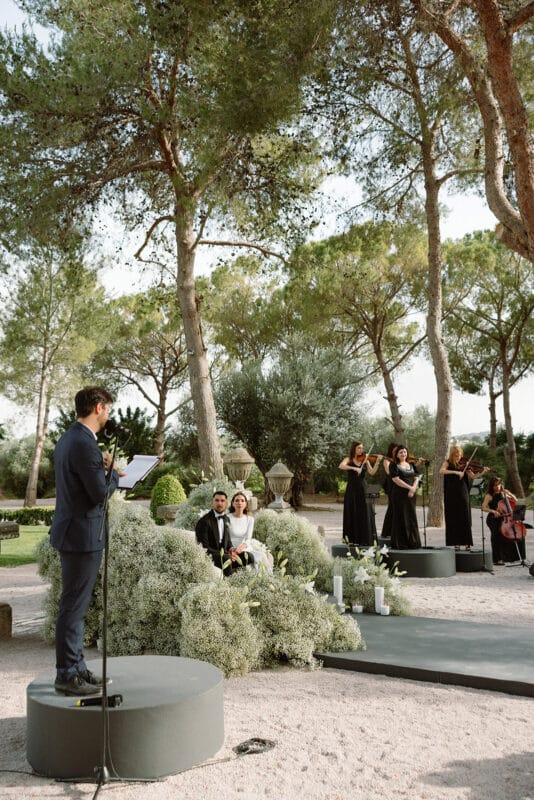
x,y
367,456
469,461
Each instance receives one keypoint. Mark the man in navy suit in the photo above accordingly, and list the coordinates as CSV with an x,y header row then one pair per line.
x,y
213,533
79,532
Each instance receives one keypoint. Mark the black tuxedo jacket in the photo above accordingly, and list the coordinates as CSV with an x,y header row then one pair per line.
x,y
80,492
207,534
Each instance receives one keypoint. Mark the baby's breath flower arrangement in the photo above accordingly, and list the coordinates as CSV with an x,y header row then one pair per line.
x,y
150,567
198,502
362,572
293,621
297,540
217,627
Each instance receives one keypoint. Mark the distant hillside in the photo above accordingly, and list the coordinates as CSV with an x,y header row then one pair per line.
x,y
480,436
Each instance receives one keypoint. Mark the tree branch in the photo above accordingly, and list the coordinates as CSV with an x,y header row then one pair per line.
x,y
220,243
166,218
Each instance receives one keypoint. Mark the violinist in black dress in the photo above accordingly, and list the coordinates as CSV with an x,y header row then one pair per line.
x,y
357,524
405,481
388,461
456,485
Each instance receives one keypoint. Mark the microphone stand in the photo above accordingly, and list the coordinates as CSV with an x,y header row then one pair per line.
x,y
101,771
424,479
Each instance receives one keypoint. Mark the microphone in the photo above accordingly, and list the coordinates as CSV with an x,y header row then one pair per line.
x,y
112,428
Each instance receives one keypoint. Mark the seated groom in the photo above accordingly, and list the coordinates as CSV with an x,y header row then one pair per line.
x,y
213,533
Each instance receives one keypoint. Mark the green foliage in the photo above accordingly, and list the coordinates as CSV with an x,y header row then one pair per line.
x,y
15,460
167,491
36,515
300,411
199,502
293,620
217,627
15,552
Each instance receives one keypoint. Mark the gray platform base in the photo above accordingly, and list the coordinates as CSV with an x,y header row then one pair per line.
x,y
473,561
171,718
429,562
483,656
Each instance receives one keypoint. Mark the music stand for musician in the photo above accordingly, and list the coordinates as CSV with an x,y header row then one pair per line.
x,y
518,515
478,489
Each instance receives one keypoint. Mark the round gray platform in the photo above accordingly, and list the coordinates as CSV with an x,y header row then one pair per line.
x,y
171,718
426,562
473,561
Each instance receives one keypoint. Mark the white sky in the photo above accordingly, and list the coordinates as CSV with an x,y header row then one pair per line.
x,y
414,387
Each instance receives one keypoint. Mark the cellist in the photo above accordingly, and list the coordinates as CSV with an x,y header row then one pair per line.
x,y
496,494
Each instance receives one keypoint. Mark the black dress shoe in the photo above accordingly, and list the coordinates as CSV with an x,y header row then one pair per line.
x,y
76,686
90,677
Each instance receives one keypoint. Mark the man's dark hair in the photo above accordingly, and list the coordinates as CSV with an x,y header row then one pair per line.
x,y
87,398
219,492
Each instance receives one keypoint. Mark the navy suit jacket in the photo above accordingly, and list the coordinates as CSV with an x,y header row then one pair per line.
x,y
80,492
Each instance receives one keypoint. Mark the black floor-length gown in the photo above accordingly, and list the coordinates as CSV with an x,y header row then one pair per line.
x,y
356,523
457,509
386,525
404,528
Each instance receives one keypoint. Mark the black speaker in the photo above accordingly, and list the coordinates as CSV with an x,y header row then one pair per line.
x,y
531,570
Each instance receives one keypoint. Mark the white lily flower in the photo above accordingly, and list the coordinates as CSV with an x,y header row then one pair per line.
x,y
384,550
369,553
361,575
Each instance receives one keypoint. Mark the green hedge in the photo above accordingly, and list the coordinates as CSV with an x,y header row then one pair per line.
x,y
28,516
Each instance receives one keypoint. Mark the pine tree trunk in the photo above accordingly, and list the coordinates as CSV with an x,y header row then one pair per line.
x,y
435,339
396,419
510,453
199,376
40,434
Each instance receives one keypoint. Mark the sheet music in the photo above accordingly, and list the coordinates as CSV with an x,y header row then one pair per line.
x,y
137,470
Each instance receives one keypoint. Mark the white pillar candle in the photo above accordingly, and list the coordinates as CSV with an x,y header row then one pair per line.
x,y
379,598
384,611
338,588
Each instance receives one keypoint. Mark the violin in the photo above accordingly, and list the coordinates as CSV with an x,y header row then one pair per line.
x,y
474,466
510,528
370,457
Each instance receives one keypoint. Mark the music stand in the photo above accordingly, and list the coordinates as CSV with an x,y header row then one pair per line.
x,y
478,489
518,515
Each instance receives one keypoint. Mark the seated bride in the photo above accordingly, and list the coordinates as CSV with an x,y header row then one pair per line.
x,y
241,527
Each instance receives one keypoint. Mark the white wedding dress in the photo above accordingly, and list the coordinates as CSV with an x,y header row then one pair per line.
x,y
241,533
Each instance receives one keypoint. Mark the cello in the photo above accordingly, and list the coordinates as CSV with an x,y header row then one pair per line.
x,y
510,528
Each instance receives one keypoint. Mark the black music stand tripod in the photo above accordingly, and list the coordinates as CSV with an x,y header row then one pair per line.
x,y
478,489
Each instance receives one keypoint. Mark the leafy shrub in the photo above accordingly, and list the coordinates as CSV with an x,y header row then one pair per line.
x,y
217,627
294,621
199,502
167,491
36,515
15,460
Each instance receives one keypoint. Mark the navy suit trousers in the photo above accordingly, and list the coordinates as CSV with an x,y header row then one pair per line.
x,y
79,572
